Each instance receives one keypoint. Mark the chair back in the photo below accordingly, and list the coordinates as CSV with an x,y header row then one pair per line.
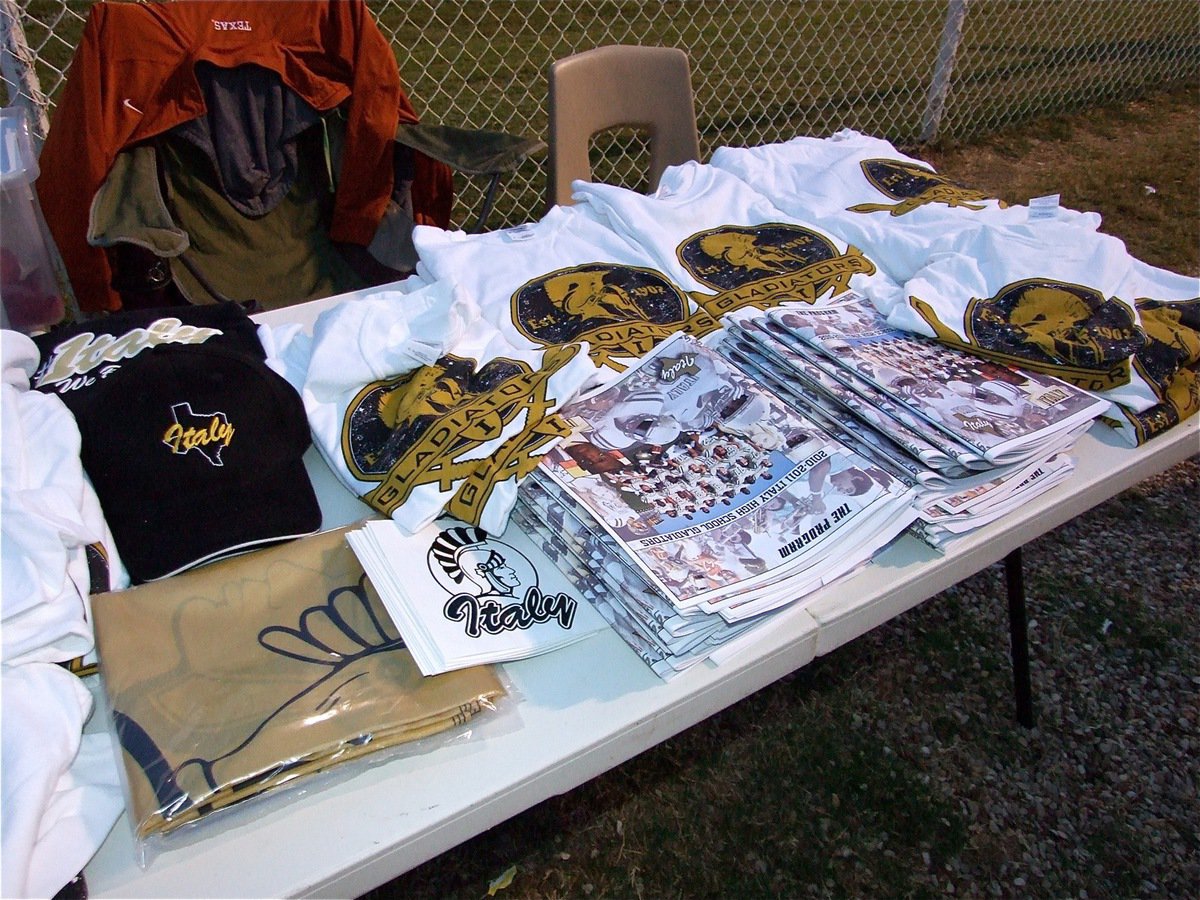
x,y
646,88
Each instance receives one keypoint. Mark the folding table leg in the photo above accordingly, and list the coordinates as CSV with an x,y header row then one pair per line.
x,y
1019,637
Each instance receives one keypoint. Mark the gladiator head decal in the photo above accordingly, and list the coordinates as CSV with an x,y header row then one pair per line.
x,y
430,392
468,559
746,251
913,186
732,256
622,312
1056,322
1172,338
389,418
587,294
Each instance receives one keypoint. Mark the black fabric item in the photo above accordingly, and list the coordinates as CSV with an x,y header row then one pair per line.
x,y
249,133
142,278
195,449
76,357
75,889
203,458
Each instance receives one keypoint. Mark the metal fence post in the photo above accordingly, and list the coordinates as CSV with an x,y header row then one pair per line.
x,y
935,104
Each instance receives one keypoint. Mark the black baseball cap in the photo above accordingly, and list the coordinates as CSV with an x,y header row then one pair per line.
x,y
196,453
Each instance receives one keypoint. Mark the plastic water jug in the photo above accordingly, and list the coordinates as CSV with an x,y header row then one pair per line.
x,y
30,295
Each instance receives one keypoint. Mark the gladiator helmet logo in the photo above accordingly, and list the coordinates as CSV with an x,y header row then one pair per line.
x,y
730,256
390,418
765,265
622,312
1057,323
427,427
587,294
1053,327
1172,338
914,186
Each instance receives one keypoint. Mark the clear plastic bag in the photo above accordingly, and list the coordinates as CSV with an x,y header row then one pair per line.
x,y
231,681
31,296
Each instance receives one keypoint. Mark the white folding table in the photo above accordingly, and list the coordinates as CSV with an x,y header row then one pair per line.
x,y
582,710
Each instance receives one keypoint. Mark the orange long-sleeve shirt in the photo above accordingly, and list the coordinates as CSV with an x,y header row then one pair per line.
x,y
133,77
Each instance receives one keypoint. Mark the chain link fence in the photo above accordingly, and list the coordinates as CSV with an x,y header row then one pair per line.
x,y
907,70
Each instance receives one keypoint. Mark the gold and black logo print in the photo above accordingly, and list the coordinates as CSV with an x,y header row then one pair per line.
x,y
387,418
1172,340
423,428
913,186
765,265
1180,400
1168,363
1062,329
623,312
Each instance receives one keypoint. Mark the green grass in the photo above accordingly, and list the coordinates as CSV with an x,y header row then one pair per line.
x,y
1137,163
751,805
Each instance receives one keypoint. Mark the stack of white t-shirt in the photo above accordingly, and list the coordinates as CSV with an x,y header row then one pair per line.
x,y
566,278
1067,302
61,788
886,203
727,244
419,404
951,249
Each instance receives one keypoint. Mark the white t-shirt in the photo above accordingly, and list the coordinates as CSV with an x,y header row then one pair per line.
x,y
1064,301
871,195
57,547
726,243
446,415
62,790
565,279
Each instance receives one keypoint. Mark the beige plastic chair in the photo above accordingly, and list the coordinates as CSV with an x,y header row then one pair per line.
x,y
646,88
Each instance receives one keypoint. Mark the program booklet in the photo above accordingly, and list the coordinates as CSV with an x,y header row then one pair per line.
x,y
715,488
999,413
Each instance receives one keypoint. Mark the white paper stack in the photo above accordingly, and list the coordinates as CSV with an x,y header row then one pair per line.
x,y
462,597
689,501
976,438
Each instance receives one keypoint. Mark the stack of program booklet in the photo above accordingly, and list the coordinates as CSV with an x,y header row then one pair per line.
x,y
689,501
975,438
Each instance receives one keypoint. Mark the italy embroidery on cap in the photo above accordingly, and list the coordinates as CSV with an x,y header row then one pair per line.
x,y
206,433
